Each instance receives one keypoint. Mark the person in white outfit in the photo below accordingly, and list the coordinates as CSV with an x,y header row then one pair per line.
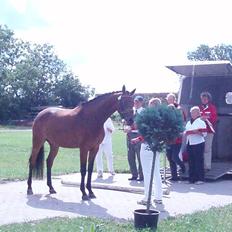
x,y
146,156
106,148
195,133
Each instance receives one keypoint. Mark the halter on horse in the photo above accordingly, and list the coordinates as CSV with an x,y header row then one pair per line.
x,y
81,127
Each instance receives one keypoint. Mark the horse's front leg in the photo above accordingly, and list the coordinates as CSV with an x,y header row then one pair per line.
x,y
83,159
52,154
91,159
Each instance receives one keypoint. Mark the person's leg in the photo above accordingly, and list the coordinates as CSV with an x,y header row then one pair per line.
x,y
158,193
195,162
140,170
191,163
109,156
200,175
208,151
131,159
172,164
145,157
176,158
99,162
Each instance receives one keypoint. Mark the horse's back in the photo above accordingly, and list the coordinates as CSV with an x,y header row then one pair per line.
x,y
52,113
62,127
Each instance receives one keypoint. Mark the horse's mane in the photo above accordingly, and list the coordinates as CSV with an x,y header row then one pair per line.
x,y
98,98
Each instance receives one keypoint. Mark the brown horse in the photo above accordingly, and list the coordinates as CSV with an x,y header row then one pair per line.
x,y
81,127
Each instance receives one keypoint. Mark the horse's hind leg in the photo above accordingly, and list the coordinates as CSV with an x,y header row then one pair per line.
x,y
32,161
29,181
92,155
83,159
52,154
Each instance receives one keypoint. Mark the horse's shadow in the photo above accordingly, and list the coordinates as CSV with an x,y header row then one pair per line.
x,y
82,208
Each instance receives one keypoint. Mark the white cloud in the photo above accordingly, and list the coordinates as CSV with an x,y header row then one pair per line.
x,y
109,43
19,6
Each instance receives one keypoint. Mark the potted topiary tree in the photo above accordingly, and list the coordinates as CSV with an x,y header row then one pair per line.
x,y
159,126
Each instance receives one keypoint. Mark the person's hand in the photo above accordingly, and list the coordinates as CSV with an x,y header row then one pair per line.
x,y
127,129
108,129
204,117
123,122
135,140
135,126
190,132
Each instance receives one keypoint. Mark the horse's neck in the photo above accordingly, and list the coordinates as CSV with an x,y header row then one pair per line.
x,y
104,108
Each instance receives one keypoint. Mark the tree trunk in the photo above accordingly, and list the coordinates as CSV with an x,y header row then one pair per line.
x,y
151,182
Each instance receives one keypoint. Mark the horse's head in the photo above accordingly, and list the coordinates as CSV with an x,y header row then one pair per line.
x,y
126,103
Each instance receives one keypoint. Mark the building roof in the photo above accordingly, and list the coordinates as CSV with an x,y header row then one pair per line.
x,y
203,69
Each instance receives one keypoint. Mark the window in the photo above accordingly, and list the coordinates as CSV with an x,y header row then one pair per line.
x,y
228,98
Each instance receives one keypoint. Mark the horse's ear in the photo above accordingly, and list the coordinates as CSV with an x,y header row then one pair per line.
x,y
132,92
123,89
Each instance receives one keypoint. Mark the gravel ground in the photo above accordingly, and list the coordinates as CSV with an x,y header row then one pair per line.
x,y
16,206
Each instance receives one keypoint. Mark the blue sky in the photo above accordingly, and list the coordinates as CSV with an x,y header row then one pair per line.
x,y
110,43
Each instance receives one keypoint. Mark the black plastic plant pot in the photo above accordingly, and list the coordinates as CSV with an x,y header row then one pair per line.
x,y
144,219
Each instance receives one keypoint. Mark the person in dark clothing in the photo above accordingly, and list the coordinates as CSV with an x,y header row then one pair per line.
x,y
173,149
133,151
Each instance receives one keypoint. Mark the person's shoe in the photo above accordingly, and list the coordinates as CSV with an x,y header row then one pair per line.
x,y
100,174
183,170
132,178
142,202
174,179
112,173
199,182
190,182
158,201
140,179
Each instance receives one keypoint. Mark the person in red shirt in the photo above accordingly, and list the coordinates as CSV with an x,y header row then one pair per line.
x,y
209,115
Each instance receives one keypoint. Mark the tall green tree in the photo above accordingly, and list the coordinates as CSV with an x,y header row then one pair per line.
x,y
32,75
217,52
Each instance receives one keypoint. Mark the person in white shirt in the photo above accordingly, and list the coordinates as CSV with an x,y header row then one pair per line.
x,y
195,133
146,156
106,148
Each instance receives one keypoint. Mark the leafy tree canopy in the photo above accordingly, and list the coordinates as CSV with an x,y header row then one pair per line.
x,y
218,52
160,125
32,75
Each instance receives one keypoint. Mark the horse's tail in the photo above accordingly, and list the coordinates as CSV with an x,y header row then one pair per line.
x,y
38,167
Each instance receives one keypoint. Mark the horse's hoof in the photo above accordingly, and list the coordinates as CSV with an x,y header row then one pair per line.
x,y
52,191
85,198
29,192
92,196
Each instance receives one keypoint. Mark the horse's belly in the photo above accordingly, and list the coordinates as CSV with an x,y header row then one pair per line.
x,y
64,140
68,143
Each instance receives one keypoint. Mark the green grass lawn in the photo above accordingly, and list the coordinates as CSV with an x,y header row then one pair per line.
x,y
213,220
16,147
14,154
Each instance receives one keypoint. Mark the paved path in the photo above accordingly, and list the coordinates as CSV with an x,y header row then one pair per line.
x,y
16,206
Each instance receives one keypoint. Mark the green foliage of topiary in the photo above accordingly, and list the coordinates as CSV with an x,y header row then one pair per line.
x,y
160,125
